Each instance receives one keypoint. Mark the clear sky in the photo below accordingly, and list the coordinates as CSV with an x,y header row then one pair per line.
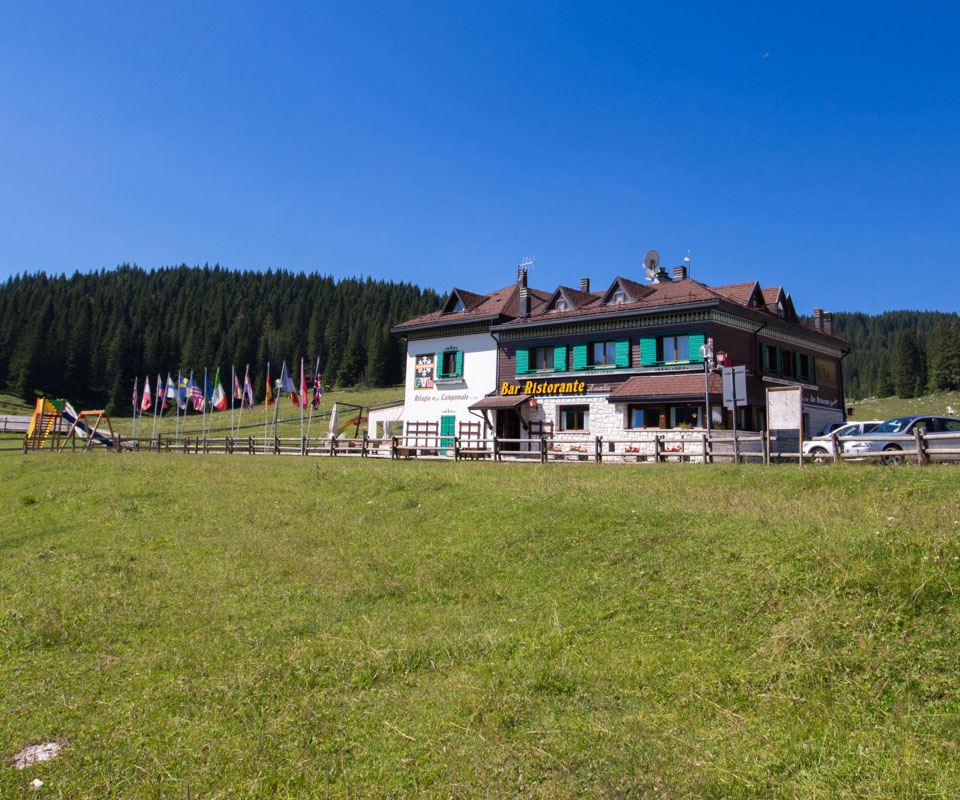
x,y
811,145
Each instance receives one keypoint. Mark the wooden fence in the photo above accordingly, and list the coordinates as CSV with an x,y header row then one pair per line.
x,y
666,446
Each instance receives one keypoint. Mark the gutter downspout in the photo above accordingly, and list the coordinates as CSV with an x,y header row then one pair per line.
x,y
843,394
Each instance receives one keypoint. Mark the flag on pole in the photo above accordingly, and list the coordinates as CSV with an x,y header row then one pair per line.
x,y
303,388
247,389
135,395
268,394
170,393
219,396
196,394
147,401
237,391
161,400
183,391
317,388
286,384
208,387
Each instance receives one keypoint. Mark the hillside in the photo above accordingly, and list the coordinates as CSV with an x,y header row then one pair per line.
x,y
87,336
388,629
903,353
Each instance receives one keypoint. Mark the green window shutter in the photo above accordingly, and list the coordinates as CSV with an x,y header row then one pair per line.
x,y
438,368
523,361
779,366
764,358
459,370
696,341
560,358
623,353
648,352
579,356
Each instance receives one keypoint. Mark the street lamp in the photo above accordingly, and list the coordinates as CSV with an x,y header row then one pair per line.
x,y
706,353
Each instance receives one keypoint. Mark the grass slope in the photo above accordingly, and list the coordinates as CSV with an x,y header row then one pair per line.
x,y
271,627
944,404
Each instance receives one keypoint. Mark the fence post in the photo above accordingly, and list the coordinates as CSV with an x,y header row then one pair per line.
x,y
836,447
363,446
543,449
496,448
599,445
393,447
657,443
276,445
250,445
456,448
921,450
333,445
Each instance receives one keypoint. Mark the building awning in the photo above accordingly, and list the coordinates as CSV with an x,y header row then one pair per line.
x,y
500,402
659,387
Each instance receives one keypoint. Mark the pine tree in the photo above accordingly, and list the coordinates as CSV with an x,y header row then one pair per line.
x,y
884,386
909,364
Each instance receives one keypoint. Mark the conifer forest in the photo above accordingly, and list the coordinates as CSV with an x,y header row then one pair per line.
x,y
87,336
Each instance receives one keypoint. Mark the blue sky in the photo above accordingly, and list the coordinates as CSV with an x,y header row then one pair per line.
x,y
813,145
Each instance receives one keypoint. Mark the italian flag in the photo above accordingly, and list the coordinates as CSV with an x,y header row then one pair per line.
x,y
219,396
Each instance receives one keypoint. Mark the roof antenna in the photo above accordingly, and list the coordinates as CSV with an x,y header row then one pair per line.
x,y
686,258
527,262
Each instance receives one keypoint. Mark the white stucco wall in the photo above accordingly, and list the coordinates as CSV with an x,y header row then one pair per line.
x,y
479,379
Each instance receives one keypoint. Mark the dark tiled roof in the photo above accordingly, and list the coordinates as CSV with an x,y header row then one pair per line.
x,y
470,300
665,386
578,298
503,303
738,292
770,295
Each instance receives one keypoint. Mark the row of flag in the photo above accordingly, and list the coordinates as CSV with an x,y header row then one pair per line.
x,y
187,390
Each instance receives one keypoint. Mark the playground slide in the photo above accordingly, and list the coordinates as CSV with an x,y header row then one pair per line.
x,y
70,415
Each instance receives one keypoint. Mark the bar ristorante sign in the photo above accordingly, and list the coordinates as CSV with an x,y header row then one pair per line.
x,y
544,387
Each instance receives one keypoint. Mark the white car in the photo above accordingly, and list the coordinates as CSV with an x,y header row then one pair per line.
x,y
893,438
820,448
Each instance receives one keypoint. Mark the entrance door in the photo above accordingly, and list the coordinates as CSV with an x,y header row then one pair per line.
x,y
508,427
446,430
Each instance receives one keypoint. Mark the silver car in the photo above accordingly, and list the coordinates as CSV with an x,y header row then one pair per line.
x,y
890,438
820,448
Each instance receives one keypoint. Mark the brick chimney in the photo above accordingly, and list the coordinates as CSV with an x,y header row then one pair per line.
x,y
524,304
828,322
680,273
818,318
584,284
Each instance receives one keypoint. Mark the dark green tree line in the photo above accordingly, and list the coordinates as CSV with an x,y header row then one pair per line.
x,y
87,336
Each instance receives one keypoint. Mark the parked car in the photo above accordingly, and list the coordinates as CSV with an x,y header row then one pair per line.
x,y
879,439
820,448
829,428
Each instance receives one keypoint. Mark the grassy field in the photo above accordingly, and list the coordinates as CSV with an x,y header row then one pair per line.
x,y
281,627
944,404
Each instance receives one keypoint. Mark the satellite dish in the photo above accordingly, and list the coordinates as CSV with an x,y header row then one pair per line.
x,y
651,260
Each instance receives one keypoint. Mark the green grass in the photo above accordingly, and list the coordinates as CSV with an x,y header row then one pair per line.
x,y
282,627
888,407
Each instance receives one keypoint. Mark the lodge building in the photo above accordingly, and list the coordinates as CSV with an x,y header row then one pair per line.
x,y
620,363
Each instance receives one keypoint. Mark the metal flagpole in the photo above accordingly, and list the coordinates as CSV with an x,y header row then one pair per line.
x,y
233,391
133,424
243,397
303,388
312,409
276,400
176,407
266,410
153,430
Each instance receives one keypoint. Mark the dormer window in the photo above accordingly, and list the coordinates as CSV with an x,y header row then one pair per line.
x,y
619,297
458,307
561,304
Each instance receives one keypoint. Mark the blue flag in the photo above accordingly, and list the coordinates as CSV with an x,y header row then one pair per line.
x,y
286,382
